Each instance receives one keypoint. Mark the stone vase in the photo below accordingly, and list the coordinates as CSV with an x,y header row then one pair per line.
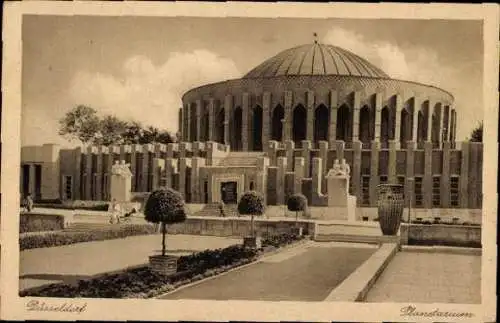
x,y
390,206
165,265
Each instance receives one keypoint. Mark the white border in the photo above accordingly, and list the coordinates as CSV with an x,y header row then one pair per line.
x,y
12,307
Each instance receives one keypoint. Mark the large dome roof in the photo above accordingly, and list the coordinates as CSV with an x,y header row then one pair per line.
x,y
316,59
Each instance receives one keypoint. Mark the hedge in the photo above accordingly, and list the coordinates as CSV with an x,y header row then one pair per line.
x,y
143,283
38,223
66,238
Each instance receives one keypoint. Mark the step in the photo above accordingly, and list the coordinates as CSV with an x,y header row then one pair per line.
x,y
355,238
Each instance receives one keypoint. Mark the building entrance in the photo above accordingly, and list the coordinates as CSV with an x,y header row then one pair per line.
x,y
229,192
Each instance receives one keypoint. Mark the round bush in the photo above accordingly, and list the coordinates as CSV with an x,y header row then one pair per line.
x,y
297,202
251,203
165,206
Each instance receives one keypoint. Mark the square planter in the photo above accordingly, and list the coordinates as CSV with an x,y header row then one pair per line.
x,y
252,242
165,265
298,231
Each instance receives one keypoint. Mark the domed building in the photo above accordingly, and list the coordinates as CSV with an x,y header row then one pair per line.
x,y
278,130
317,92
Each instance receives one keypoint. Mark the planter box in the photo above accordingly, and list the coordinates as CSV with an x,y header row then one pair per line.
x,y
298,231
165,265
252,242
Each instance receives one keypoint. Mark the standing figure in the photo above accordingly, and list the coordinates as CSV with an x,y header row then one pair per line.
x,y
29,203
114,210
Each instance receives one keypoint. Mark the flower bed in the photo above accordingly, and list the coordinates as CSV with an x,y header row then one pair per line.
x,y
40,222
66,238
142,283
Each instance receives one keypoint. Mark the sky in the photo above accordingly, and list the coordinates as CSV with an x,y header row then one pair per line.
x,y
138,68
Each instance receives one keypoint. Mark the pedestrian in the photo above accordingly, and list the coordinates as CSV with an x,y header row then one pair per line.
x,y
29,203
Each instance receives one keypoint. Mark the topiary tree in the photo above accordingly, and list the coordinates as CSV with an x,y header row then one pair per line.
x,y
165,206
251,203
295,203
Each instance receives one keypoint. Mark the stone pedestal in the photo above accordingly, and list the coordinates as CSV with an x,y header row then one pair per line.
x,y
341,204
121,182
165,265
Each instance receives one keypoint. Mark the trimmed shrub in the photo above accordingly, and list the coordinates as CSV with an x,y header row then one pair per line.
x,y
297,203
66,238
37,223
251,203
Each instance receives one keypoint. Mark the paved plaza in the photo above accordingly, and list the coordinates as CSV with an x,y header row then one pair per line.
x,y
305,273
422,277
83,260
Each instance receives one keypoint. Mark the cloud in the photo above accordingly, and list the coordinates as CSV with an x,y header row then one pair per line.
x,y
418,64
149,93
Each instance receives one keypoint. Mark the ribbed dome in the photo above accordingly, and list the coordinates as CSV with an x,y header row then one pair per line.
x,y
316,59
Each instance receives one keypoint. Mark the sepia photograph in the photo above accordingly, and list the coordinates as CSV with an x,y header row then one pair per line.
x,y
238,160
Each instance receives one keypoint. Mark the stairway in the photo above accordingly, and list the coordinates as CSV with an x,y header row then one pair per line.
x,y
241,158
212,209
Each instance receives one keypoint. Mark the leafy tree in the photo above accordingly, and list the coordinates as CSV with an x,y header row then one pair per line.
x,y
295,203
81,123
477,133
111,131
251,203
165,206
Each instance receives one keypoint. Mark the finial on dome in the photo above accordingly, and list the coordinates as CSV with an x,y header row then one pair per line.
x,y
315,38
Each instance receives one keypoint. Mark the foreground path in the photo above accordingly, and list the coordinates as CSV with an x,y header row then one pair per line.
x,y
305,273
81,260
421,277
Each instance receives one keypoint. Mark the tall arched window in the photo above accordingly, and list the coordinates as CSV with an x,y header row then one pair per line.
x,y
219,126
405,134
385,125
436,120
192,123
344,123
236,138
446,123
257,128
365,125
321,122
299,129
277,124
205,125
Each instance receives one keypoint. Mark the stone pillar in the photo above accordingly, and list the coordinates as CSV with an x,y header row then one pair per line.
x,y
77,175
197,147
306,153
298,174
196,193
391,171
430,112
184,163
228,107
199,110
397,126
211,119
440,132
287,126
355,116
427,181
374,175
410,171
146,171
356,169
316,176
333,117
445,176
133,166
272,152
88,180
183,148
170,150
378,116
189,135
323,154
170,170
245,122
339,149
157,171
266,122
280,187
101,150
289,152
464,174
310,115
32,180
416,107
181,124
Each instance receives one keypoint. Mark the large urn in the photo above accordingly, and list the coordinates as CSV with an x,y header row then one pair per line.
x,y
390,207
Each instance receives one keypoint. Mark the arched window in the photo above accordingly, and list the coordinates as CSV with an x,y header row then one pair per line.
x,y
321,122
406,129
257,128
446,123
236,142
436,120
299,128
277,124
343,123
365,125
422,122
205,125
219,126
385,125
192,123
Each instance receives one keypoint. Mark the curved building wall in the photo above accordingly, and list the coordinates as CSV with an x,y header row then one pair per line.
x,y
247,113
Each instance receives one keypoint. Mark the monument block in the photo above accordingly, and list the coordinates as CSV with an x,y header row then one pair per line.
x,y
340,202
121,182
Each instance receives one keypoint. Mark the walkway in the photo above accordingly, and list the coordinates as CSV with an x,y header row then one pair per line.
x,y
422,277
82,260
305,273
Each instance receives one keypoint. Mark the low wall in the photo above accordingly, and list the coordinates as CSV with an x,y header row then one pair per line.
x,y
440,234
236,227
472,216
37,222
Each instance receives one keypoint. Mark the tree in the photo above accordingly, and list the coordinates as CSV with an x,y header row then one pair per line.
x,y
295,203
251,203
81,123
111,131
477,133
165,206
